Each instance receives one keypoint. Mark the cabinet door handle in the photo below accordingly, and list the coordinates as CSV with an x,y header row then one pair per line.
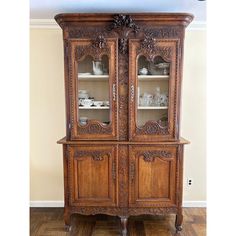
x,y
132,93
114,91
132,171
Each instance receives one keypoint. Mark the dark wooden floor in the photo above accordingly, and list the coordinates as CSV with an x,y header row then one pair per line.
x,y
49,222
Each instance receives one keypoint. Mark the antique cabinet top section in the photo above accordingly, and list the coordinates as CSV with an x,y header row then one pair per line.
x,y
173,19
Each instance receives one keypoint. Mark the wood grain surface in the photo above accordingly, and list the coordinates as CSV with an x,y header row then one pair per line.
x,y
49,222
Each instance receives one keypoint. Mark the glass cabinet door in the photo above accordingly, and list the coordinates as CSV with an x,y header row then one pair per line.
x,y
152,89
95,85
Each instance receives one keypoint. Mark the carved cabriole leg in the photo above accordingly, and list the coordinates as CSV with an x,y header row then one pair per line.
x,y
124,221
179,215
67,214
67,220
179,221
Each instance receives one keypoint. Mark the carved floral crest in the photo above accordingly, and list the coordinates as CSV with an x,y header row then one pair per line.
x,y
122,21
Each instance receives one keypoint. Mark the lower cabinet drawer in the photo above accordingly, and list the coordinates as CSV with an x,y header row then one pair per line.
x,y
92,177
152,176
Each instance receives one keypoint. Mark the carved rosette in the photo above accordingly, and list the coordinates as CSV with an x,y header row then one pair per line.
x,y
149,156
153,128
96,155
100,42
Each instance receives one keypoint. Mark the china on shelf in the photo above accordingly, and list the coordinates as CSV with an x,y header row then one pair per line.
x,y
146,99
143,71
98,103
83,94
83,120
164,66
97,68
86,102
163,99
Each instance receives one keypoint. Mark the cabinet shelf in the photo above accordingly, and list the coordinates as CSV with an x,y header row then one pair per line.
x,y
94,108
153,77
152,108
93,77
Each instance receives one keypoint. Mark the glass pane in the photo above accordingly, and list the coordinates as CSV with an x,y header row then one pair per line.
x,y
152,91
93,90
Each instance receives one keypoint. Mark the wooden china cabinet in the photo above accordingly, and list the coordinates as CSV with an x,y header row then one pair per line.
x,y
122,152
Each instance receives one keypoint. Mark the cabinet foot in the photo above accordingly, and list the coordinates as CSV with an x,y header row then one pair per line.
x,y
67,225
124,221
67,228
178,222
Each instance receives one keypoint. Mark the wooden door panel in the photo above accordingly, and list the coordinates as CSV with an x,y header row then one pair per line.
x,y
152,175
92,175
154,179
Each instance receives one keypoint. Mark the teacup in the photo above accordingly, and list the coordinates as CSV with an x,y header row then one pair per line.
x,y
83,120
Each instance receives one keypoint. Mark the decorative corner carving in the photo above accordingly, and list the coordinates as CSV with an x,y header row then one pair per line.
x,y
149,156
123,21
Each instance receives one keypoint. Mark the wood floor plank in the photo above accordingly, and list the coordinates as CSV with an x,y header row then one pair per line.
x,y
49,222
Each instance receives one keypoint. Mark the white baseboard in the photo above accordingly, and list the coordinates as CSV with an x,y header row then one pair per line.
x,y
194,204
46,203
61,204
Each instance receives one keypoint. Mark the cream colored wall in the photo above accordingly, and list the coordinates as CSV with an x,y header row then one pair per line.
x,y
47,114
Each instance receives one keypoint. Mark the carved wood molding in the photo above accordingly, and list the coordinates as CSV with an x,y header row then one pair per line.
x,y
153,128
100,42
97,49
96,155
123,25
163,32
94,127
149,156
150,49
120,211
123,176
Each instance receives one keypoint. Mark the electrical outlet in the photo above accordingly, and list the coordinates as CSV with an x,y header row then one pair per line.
x,y
189,182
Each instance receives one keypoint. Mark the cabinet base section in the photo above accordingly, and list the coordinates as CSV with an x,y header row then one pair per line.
x,y
123,213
